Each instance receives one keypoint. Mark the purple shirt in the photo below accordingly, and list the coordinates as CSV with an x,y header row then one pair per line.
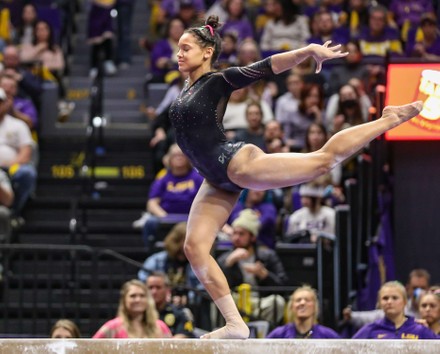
x,y
379,45
317,332
176,193
385,329
242,29
26,106
162,49
434,48
172,7
410,10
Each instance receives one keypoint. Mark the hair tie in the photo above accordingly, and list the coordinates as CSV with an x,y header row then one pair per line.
x,y
210,29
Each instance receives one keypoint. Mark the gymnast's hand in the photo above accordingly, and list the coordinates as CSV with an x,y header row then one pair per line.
x,y
323,52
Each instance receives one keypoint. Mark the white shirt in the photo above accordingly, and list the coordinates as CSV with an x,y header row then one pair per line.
x,y
14,134
303,219
235,115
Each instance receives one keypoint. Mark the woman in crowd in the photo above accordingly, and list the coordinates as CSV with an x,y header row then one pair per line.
x,y
429,308
65,329
392,299
136,317
303,312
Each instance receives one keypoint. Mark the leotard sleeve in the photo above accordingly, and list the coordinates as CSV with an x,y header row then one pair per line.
x,y
241,76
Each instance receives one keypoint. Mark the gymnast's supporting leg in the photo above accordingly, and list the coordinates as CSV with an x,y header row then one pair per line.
x,y
209,212
252,168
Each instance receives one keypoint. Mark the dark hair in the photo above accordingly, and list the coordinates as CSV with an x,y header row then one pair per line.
x,y
207,39
305,92
50,40
323,130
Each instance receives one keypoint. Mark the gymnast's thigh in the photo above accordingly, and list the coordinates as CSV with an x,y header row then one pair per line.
x,y
209,212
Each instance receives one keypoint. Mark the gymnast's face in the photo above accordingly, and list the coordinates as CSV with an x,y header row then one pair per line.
x,y
191,56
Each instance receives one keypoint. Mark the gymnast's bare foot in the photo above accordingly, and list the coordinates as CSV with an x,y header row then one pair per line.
x,y
401,114
230,331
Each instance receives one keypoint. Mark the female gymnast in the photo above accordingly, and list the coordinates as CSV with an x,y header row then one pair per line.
x,y
229,167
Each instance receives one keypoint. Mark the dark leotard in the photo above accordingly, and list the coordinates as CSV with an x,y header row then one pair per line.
x,y
197,116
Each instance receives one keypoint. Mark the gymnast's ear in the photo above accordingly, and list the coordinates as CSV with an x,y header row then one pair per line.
x,y
208,52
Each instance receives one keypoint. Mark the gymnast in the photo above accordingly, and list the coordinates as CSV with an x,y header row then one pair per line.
x,y
229,167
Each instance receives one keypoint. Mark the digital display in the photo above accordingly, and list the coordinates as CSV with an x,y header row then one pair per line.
x,y
410,82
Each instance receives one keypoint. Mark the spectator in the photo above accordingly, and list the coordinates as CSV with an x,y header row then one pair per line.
x,y
274,137
254,133
351,67
407,13
313,218
22,108
429,309
164,52
125,14
16,149
174,316
316,137
100,37
260,202
237,21
349,111
172,261
303,313
235,114
268,12
6,200
172,8
228,55
425,45
310,108
25,32
395,324
328,31
356,17
44,49
287,104
379,39
136,317
288,30
29,85
171,195
256,265
65,329
418,280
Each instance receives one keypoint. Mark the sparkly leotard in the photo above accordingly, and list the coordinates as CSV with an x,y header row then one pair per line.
x,y
197,116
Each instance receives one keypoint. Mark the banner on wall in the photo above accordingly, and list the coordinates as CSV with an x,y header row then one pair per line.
x,y
411,82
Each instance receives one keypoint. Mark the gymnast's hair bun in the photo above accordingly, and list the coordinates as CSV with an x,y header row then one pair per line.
x,y
213,21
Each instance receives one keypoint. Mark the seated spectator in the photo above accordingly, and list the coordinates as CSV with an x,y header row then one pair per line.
x,y
172,261
254,264
407,13
351,67
305,224
274,138
254,132
418,279
395,324
228,55
24,33
429,308
379,39
237,21
328,31
287,104
310,108
22,108
136,317
171,195
268,12
16,149
302,317
356,17
288,30
260,202
65,329
424,42
235,114
29,85
6,200
349,112
174,316
44,49
164,52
